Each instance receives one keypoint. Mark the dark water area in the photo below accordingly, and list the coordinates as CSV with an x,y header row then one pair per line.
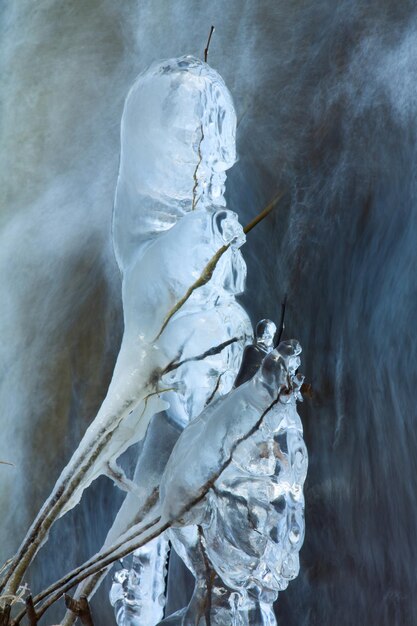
x,y
326,99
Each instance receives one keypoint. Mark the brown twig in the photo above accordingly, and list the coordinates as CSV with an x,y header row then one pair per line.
x,y
202,280
262,215
200,357
215,390
30,611
87,590
200,159
209,575
5,615
208,44
81,608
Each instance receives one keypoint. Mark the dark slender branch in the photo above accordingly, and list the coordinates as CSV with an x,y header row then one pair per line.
x,y
208,44
202,280
166,579
278,334
208,575
200,357
5,615
215,390
200,158
31,613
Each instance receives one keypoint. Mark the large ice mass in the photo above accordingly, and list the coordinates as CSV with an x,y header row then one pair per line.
x,y
221,470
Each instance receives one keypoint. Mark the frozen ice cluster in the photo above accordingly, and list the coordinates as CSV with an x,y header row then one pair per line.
x,y
222,463
232,487
245,535
178,140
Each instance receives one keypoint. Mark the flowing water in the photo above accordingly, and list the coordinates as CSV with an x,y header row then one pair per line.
x,y
326,100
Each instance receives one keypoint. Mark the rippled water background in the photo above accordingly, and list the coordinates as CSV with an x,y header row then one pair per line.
x,y
326,97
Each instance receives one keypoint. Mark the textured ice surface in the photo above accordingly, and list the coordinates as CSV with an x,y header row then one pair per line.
x,y
249,449
254,354
138,597
178,140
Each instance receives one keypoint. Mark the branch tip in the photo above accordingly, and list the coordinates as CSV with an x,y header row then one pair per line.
x,y
208,44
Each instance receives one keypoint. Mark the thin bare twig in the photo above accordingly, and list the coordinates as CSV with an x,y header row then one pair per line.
x,y
202,280
215,390
200,357
281,323
200,158
89,585
206,50
262,215
209,575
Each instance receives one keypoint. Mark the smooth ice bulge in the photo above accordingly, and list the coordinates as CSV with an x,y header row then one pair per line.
x,y
177,141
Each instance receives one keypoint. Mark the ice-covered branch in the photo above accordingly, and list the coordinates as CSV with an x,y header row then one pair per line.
x,y
226,426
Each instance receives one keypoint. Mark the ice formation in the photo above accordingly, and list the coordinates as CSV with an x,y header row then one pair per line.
x,y
178,131
138,594
242,541
228,494
236,517
211,316
254,354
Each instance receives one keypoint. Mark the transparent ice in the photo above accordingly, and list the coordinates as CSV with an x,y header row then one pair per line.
x,y
180,112
246,564
137,596
242,540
